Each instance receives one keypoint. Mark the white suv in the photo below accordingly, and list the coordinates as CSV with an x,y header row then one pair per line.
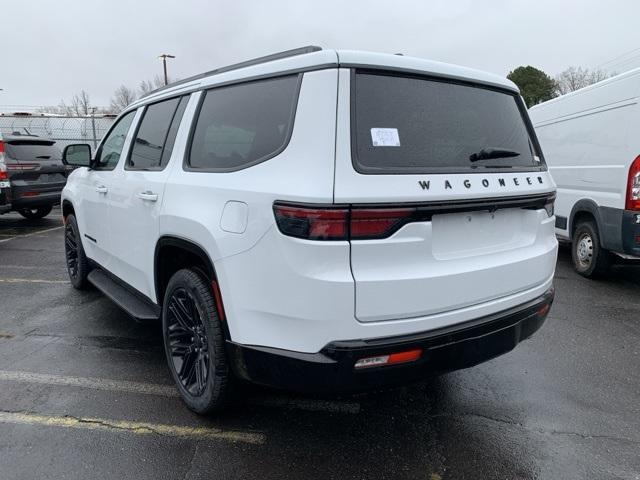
x,y
319,220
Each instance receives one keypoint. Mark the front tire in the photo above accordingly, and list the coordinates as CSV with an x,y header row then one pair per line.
x,y
77,263
35,213
194,342
589,258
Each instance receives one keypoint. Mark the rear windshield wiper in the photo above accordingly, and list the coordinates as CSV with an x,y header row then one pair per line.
x,y
491,153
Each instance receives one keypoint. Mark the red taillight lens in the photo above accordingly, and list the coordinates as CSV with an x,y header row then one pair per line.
x,y
633,186
1,147
312,223
339,223
377,222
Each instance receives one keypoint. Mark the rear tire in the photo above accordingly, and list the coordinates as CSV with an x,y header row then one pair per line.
x,y
35,213
77,262
194,343
589,258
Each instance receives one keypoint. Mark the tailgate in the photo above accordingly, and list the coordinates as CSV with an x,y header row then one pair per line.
x,y
466,160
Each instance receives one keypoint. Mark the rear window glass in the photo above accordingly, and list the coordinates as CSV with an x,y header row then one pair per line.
x,y
32,150
244,124
417,125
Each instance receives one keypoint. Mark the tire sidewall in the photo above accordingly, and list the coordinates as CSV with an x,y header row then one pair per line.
x,y
80,280
185,279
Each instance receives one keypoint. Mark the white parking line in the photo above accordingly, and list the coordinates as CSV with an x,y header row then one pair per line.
x,y
94,383
32,234
136,428
312,405
30,280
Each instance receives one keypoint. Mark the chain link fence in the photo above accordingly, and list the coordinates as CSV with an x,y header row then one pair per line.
x,y
64,130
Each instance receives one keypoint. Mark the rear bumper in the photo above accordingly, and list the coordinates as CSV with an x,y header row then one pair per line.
x,y
41,199
332,369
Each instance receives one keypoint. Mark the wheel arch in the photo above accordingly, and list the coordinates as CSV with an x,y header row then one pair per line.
x,y
186,254
67,208
584,207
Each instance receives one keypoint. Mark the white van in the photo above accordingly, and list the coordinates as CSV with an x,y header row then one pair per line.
x,y
319,220
592,146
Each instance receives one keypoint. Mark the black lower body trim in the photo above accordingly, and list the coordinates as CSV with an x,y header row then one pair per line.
x,y
443,350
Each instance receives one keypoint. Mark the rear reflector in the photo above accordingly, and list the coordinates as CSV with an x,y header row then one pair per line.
x,y
391,359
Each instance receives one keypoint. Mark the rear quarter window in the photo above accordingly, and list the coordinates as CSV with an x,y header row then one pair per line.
x,y
245,124
405,124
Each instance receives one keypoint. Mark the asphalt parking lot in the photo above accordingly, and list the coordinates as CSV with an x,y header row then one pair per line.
x,y
85,393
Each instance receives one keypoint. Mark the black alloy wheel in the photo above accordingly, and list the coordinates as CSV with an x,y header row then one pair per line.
x,y
77,263
188,342
194,342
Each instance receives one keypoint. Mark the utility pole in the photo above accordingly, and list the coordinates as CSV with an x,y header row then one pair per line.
x,y
93,126
164,57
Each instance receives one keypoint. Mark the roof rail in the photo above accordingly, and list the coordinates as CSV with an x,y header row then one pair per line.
x,y
255,61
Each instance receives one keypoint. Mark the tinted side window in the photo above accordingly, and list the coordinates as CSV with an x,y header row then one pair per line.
x,y
152,134
111,148
173,131
242,125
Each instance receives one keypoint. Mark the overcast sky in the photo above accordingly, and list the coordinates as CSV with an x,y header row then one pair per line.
x,y
54,48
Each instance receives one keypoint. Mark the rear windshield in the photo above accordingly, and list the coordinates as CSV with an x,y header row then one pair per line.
x,y
416,125
32,150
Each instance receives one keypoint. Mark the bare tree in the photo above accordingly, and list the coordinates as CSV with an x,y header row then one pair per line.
x,y
148,86
122,97
574,78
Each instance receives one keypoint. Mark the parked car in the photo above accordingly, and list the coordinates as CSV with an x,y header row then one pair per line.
x,y
319,220
35,171
593,152
5,186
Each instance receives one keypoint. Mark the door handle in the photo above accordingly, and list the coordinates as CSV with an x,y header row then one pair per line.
x,y
148,196
101,189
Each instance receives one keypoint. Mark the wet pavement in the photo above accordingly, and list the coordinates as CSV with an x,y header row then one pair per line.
x,y
85,393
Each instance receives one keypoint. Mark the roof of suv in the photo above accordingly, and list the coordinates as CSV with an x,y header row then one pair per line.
x,y
314,58
13,137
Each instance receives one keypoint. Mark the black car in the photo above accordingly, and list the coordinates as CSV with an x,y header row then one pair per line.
x,y
35,171
5,187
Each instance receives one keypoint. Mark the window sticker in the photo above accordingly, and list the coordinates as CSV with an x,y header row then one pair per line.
x,y
385,137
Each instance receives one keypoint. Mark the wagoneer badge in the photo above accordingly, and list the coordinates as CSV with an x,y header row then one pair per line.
x,y
426,184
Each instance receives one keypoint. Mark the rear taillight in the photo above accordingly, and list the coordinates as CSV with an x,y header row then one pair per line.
x,y
3,168
377,222
633,186
339,223
312,223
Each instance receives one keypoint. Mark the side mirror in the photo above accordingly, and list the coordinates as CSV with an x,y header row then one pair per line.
x,y
78,155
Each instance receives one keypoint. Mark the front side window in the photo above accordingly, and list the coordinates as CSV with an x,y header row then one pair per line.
x,y
404,124
241,125
155,136
111,148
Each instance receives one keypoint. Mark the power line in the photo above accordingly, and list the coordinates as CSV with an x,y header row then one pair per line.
x,y
619,56
634,58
